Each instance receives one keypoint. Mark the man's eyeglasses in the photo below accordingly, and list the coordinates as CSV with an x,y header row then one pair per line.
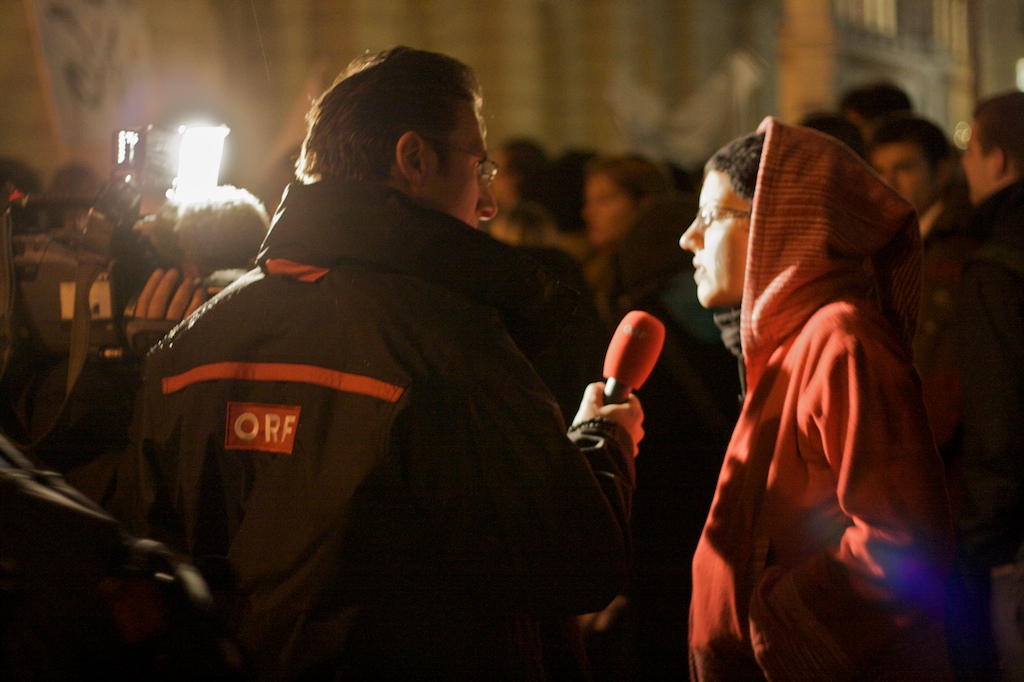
x,y
486,168
708,215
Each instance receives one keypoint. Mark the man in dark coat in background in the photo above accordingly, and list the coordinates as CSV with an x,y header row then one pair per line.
x,y
991,329
356,426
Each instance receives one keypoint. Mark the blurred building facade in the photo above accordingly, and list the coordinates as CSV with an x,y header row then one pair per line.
x,y
673,78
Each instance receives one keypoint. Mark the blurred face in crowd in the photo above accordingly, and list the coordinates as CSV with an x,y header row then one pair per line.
x,y
456,187
987,172
903,167
609,211
718,240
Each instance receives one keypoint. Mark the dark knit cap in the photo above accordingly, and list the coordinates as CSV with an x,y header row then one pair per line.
x,y
739,160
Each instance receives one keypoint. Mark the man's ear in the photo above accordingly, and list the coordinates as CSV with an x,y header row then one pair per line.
x,y
414,160
1001,167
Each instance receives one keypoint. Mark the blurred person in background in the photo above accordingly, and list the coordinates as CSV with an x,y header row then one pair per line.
x,y
561,194
914,157
990,320
867,104
520,189
615,189
523,163
690,409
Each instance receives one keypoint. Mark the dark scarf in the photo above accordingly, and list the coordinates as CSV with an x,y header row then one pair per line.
x,y
728,322
997,218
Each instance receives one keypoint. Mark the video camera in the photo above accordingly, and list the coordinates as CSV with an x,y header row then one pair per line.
x,y
51,245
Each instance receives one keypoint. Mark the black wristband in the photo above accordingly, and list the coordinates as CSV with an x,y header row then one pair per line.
x,y
597,424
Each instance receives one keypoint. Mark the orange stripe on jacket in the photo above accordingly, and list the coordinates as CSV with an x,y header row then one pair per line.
x,y
300,271
284,371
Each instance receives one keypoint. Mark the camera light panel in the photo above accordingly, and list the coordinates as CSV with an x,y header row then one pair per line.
x,y
202,148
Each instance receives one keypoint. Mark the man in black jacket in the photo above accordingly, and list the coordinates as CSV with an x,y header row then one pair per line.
x,y
991,331
356,426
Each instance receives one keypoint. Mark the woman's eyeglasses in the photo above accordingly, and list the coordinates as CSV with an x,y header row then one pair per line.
x,y
708,215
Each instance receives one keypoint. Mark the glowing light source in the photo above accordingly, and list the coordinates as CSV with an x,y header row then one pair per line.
x,y
199,160
962,134
126,142
1020,74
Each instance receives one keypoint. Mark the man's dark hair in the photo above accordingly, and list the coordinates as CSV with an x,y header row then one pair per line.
x,y
999,122
561,193
639,177
838,127
355,125
875,100
739,160
920,132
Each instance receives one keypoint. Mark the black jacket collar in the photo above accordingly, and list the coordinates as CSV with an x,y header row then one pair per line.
x,y
335,221
999,218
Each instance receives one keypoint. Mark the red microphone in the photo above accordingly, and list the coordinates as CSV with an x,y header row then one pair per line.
x,y
634,349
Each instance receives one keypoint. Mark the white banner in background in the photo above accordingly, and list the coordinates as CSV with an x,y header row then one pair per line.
x,y
717,111
93,56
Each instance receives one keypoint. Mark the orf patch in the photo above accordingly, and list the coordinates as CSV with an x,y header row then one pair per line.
x,y
267,428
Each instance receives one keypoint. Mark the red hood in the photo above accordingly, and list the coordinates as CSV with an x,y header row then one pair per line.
x,y
823,227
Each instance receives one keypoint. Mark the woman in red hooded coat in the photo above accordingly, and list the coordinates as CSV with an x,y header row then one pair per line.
x,y
827,545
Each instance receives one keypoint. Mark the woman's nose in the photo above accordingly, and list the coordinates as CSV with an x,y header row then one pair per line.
x,y
688,240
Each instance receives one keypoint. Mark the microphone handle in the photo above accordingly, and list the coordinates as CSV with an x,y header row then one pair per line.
x,y
614,392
